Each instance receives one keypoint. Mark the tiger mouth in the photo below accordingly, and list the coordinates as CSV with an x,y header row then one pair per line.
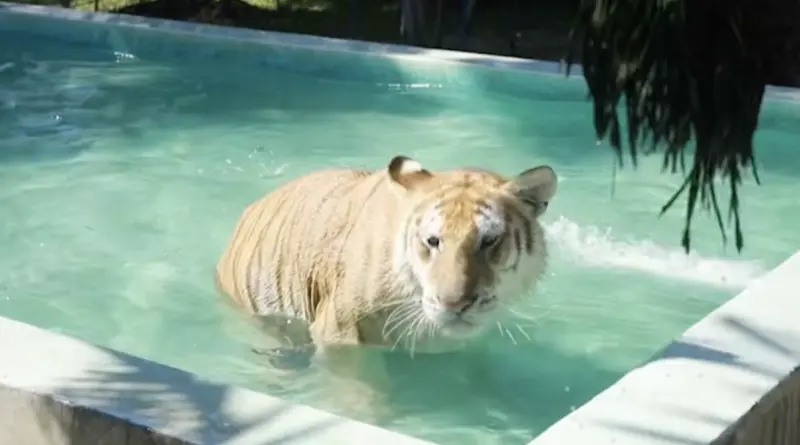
x,y
461,322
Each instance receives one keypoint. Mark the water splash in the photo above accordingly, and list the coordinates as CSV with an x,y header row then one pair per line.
x,y
597,248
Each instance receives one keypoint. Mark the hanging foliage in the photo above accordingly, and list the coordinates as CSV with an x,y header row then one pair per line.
x,y
677,71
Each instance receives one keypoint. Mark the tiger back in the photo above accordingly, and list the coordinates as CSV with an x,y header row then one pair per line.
x,y
393,255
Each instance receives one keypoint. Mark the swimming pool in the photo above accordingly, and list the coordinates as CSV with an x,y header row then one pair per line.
x,y
127,155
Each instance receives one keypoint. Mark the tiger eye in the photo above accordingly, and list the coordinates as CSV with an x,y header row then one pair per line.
x,y
488,242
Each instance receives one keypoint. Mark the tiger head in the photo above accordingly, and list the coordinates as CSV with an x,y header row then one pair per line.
x,y
470,240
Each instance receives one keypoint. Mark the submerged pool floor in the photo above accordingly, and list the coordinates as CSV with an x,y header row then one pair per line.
x,y
121,179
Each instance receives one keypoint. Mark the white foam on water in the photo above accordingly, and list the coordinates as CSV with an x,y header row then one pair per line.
x,y
596,248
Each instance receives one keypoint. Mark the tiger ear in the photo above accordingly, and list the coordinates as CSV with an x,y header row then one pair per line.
x,y
534,187
407,172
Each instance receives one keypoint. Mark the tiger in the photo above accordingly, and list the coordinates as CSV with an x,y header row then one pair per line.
x,y
398,256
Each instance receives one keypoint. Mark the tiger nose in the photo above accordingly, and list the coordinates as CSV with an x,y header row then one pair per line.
x,y
459,303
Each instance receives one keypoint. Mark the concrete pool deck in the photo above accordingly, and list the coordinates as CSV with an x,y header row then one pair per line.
x,y
730,379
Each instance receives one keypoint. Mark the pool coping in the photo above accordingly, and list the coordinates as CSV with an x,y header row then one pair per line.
x,y
732,348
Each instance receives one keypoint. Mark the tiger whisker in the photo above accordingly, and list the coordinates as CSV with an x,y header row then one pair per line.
x,y
430,328
522,331
401,337
409,321
511,336
398,313
406,316
397,301
420,322
506,332
404,335
534,319
400,309
413,335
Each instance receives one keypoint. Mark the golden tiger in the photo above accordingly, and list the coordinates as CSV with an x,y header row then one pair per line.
x,y
397,256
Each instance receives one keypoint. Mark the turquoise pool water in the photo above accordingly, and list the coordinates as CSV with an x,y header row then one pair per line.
x,y
123,172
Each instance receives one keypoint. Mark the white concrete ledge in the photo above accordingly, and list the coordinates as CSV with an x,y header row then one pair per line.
x,y
715,383
56,390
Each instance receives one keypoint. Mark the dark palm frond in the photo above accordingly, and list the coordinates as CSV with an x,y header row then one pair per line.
x,y
684,70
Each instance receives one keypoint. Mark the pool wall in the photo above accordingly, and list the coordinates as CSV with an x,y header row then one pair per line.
x,y
730,379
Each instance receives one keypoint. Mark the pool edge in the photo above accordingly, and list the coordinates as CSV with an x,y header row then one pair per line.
x,y
63,390
732,378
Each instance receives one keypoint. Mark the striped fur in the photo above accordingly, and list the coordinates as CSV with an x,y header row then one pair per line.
x,y
395,254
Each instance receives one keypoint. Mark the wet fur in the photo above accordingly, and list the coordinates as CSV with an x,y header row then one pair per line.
x,y
327,247
342,249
